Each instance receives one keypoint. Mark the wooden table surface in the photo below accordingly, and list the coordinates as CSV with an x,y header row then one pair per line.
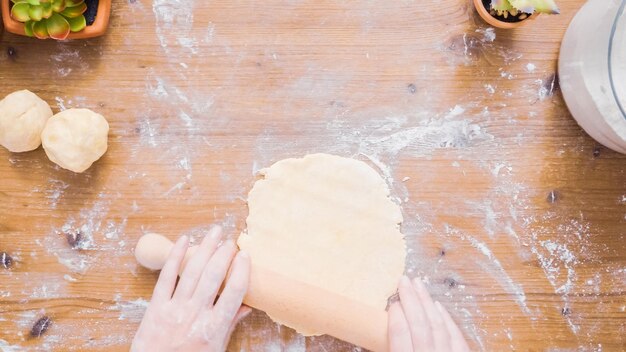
x,y
514,215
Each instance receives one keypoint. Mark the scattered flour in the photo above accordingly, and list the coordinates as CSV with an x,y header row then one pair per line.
x,y
489,34
176,188
6,347
490,221
468,48
499,274
69,278
130,310
149,131
560,253
174,23
157,90
544,91
175,28
50,289
499,167
506,74
55,191
66,337
91,222
66,60
60,103
426,137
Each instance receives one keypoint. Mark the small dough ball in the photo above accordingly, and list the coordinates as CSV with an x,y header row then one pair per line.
x,y
23,116
75,138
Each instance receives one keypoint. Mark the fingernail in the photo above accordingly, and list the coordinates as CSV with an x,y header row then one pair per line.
x,y
418,283
182,239
244,254
227,242
215,232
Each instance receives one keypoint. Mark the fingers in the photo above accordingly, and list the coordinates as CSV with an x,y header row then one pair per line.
x,y
457,341
167,278
192,272
440,335
236,287
398,331
431,327
421,334
213,275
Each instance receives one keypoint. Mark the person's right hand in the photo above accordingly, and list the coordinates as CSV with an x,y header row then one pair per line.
x,y
186,316
418,324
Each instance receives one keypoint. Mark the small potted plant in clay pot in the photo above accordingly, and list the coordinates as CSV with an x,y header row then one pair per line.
x,y
509,14
56,19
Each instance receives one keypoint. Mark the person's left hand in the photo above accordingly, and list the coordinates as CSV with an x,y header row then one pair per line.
x,y
416,323
186,317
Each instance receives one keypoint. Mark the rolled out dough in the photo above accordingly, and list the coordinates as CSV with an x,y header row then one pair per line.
x,y
326,231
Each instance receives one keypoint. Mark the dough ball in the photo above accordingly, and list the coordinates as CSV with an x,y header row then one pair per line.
x,y
75,138
23,116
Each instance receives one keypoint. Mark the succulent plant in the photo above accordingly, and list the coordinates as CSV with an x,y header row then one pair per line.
x,y
523,8
50,18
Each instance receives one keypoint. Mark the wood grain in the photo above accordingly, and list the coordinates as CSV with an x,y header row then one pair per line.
x,y
512,213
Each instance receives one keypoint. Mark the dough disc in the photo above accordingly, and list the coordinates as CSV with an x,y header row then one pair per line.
x,y
327,222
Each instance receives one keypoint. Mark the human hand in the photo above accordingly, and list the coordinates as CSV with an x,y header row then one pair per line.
x,y
186,317
418,324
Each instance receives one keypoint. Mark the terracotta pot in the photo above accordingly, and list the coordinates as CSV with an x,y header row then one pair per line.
x,y
484,13
97,28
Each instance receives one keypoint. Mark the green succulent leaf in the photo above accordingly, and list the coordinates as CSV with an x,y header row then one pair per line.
x,y
28,28
546,6
74,11
58,5
47,10
72,3
77,24
39,29
530,6
19,12
523,5
35,13
58,27
501,5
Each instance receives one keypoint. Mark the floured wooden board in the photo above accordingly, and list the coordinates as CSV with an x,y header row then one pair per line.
x,y
511,212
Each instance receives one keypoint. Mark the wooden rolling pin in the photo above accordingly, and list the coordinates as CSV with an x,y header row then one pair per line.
x,y
290,301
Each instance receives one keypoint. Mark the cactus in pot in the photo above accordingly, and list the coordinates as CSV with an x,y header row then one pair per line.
x,y
50,18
